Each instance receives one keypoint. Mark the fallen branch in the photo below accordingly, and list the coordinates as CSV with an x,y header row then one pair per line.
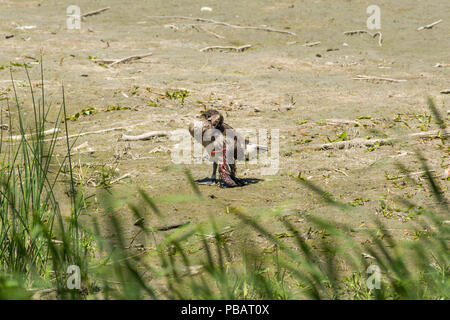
x,y
238,49
352,143
225,24
358,142
89,132
26,136
311,44
126,175
429,26
373,35
353,32
131,58
447,91
95,12
364,77
173,226
341,121
380,38
145,136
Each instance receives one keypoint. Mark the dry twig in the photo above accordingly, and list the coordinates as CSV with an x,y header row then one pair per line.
x,y
225,24
95,12
26,136
358,142
238,49
364,77
311,44
373,35
429,26
145,136
131,58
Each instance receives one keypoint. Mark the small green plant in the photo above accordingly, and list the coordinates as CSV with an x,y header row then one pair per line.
x,y
178,94
339,137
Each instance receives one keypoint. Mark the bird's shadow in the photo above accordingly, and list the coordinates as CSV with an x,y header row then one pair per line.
x,y
218,182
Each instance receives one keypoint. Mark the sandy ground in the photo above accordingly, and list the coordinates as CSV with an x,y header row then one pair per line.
x,y
294,88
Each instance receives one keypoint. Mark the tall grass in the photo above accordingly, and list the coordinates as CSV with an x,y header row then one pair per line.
x,y
29,212
38,242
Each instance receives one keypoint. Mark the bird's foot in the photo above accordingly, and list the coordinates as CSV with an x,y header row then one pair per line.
x,y
207,181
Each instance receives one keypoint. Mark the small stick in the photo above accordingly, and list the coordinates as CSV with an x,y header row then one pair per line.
x,y
370,142
447,91
311,44
429,26
145,136
364,77
373,35
238,49
19,137
343,172
380,38
173,226
351,143
350,33
126,175
95,12
341,121
225,24
89,132
130,58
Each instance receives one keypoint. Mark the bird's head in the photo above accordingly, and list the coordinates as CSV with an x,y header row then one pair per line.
x,y
213,117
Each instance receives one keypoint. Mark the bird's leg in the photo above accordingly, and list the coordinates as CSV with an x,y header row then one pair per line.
x,y
213,176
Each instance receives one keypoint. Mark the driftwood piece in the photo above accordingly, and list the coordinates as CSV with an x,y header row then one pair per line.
x,y
311,44
26,136
89,132
368,78
173,226
358,142
145,136
429,26
237,49
126,175
353,32
341,121
373,35
131,58
225,24
347,144
95,12
380,38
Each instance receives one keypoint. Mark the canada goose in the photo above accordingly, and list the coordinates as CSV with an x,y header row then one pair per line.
x,y
216,136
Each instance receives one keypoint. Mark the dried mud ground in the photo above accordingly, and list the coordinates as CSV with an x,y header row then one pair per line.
x,y
308,93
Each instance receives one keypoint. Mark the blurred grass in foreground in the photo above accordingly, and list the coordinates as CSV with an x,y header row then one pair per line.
x,y
37,245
